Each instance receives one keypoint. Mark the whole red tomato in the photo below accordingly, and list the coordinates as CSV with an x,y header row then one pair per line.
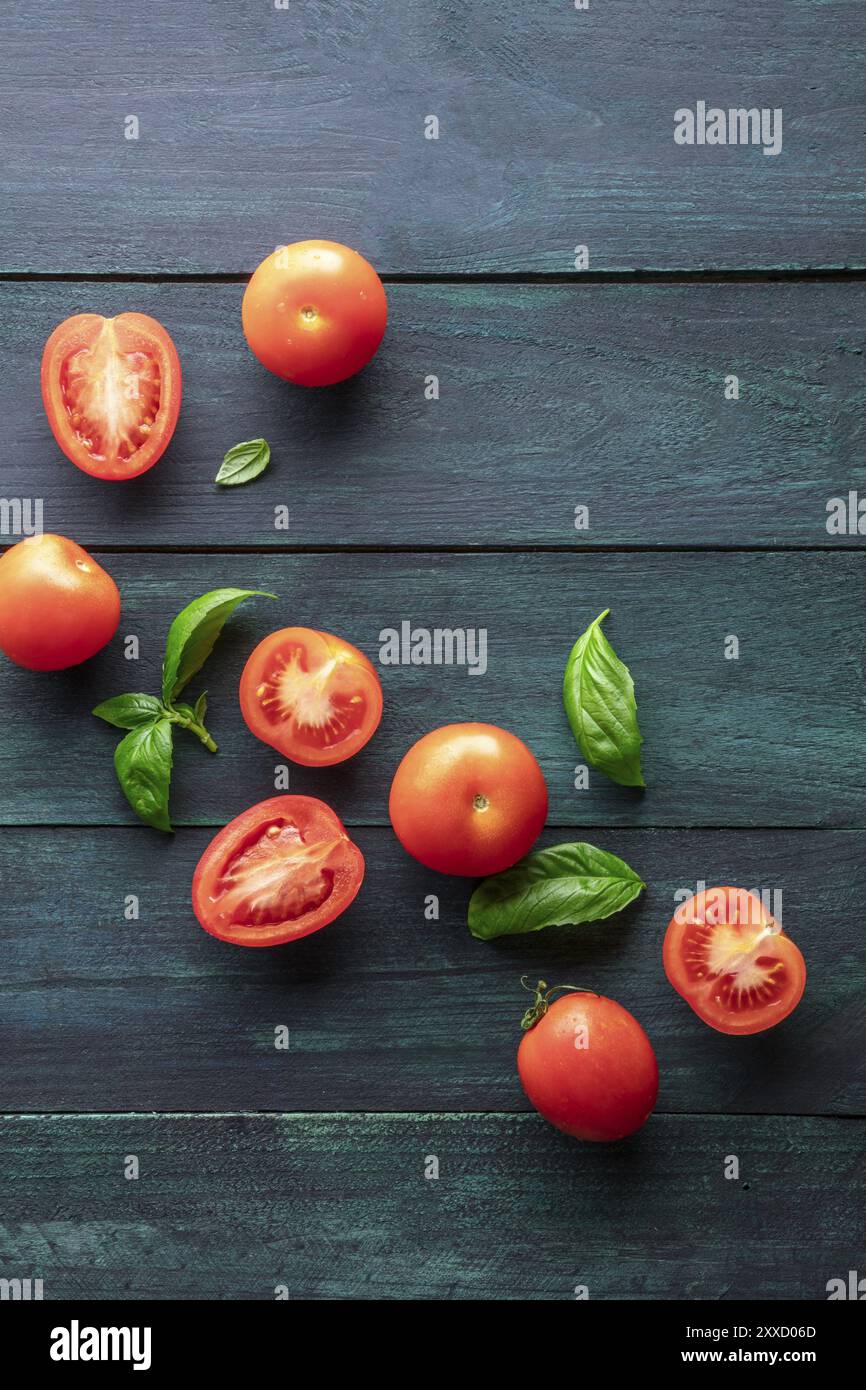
x,y
468,799
57,605
587,1065
111,390
314,312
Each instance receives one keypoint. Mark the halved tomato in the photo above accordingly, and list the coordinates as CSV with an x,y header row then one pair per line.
x,y
729,959
310,695
111,390
281,870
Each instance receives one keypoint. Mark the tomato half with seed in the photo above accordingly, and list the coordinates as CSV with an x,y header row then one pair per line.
x,y
111,390
468,799
730,960
282,870
310,695
314,312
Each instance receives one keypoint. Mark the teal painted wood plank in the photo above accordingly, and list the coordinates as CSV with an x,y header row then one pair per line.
x,y
773,738
387,1010
606,397
259,126
338,1206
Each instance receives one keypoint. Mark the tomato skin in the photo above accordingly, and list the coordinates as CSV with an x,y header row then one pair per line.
x,y
589,1068
112,349
326,677
730,960
317,872
314,312
468,799
58,607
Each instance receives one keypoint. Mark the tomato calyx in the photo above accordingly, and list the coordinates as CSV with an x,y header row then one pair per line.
x,y
544,998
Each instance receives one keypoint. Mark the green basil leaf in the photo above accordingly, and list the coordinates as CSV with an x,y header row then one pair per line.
x,y
194,632
128,711
564,885
186,711
599,700
200,708
244,462
142,761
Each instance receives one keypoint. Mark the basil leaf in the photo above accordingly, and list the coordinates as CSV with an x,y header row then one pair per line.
x,y
194,632
564,885
200,708
598,692
244,462
142,761
128,711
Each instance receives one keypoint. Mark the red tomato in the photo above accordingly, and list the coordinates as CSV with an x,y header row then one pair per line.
x,y
111,390
468,799
310,695
283,869
587,1065
730,961
57,605
314,312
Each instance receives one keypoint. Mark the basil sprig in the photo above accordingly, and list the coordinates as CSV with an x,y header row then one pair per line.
x,y
243,462
564,885
598,692
143,759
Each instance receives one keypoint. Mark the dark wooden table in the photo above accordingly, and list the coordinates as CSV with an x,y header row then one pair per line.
x,y
305,1169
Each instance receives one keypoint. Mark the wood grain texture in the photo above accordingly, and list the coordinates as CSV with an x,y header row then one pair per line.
x,y
260,126
387,1010
338,1207
773,738
603,396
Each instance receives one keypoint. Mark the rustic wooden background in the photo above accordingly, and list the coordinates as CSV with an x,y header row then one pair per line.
x,y
258,126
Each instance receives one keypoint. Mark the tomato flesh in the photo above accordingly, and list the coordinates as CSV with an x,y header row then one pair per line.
x,y
730,960
111,389
311,695
282,870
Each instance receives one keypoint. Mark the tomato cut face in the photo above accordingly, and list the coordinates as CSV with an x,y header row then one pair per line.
x,y
111,389
283,869
311,695
730,960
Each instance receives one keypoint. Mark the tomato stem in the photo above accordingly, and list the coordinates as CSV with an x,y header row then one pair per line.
x,y
194,727
544,998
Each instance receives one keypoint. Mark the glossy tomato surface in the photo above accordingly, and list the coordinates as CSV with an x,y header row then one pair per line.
x,y
730,960
57,605
311,695
281,870
111,389
468,799
314,312
589,1068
